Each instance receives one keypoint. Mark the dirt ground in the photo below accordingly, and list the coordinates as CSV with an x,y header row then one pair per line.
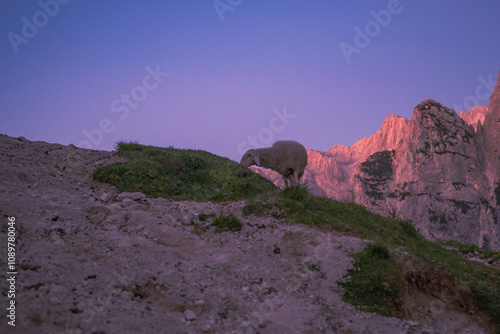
x,y
92,260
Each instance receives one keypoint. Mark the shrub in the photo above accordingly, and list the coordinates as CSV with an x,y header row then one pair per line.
x,y
227,223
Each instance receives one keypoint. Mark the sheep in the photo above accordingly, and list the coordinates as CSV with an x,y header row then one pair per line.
x,y
287,157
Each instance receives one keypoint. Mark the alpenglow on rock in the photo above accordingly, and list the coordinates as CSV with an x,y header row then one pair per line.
x,y
439,170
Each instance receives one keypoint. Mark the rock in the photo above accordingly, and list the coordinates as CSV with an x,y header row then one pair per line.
x,y
474,116
246,324
256,288
189,315
437,307
205,328
59,242
132,196
106,197
97,213
127,203
222,292
438,170
435,177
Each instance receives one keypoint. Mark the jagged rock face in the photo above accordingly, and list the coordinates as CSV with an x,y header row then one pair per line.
x,y
491,135
474,116
439,170
435,177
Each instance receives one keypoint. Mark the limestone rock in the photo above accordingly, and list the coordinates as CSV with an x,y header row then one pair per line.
x,y
439,170
132,196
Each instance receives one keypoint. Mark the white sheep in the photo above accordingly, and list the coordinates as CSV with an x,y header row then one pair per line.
x,y
287,157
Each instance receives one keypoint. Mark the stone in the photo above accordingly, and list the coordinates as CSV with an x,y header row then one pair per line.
x,y
189,315
256,288
206,328
133,196
222,292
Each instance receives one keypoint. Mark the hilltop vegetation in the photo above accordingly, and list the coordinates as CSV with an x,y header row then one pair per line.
x,y
181,174
398,260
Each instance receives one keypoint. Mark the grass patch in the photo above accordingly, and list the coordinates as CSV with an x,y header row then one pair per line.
x,y
203,216
469,248
181,174
376,282
257,208
227,223
314,267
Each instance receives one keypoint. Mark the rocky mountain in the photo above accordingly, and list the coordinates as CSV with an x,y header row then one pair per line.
x,y
439,170
474,116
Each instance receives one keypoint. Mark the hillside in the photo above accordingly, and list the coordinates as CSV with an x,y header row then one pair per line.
x,y
94,258
440,170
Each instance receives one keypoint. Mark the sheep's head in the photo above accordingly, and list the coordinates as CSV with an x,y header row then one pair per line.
x,y
251,157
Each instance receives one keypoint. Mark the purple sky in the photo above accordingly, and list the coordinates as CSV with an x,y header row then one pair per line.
x,y
264,69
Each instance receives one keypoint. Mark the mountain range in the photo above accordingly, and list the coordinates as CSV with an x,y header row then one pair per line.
x,y
439,169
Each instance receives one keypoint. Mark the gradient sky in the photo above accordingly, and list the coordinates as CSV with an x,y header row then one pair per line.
x,y
232,69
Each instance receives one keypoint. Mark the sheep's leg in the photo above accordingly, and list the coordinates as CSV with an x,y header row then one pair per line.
x,y
296,177
300,175
285,181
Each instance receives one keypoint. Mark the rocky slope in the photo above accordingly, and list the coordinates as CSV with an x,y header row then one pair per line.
x,y
92,260
438,169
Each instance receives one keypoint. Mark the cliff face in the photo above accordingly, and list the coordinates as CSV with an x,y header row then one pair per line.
x,y
491,139
439,170
436,176
474,116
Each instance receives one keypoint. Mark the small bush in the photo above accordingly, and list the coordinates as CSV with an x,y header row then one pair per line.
x,y
227,223
296,193
203,216
314,267
376,281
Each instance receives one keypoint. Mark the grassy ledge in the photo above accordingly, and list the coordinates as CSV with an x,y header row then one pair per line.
x,y
181,174
380,276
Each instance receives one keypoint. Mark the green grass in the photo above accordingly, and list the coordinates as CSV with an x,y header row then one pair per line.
x,y
469,248
376,282
181,174
227,223
203,216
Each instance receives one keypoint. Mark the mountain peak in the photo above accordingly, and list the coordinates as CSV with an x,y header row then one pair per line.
x,y
387,138
475,115
428,104
435,110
